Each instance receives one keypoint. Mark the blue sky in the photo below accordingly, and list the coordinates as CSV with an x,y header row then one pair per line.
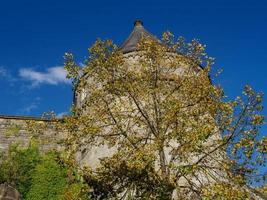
x,y
34,35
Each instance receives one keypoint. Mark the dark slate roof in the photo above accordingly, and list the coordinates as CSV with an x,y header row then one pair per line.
x,y
25,118
138,32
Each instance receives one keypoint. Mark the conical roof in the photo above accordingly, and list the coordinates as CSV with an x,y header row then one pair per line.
x,y
138,32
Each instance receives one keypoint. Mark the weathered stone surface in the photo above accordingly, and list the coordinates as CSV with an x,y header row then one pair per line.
x,y
9,193
14,130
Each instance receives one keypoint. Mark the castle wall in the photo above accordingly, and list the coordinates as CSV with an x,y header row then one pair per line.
x,y
15,130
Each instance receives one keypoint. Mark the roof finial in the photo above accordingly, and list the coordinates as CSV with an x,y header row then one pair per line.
x,y
138,22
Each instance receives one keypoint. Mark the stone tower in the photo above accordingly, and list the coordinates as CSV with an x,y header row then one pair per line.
x,y
12,128
128,48
92,154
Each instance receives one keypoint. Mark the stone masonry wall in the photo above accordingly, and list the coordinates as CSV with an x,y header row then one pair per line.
x,y
14,130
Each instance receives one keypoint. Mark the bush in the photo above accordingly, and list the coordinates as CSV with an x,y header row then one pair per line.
x,y
18,165
49,180
40,177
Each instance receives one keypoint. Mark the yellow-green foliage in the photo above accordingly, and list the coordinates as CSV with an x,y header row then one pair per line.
x,y
169,123
76,191
40,176
49,180
13,130
221,191
16,167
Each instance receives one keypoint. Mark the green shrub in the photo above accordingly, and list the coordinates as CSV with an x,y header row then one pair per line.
x,y
18,165
40,177
49,180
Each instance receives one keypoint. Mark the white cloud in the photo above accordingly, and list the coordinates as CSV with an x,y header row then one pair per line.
x,y
53,76
6,75
31,106
3,72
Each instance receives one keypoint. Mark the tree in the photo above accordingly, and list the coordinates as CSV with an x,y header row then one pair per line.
x,y
173,131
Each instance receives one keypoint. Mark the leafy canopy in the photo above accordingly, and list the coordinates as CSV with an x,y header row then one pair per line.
x,y
173,130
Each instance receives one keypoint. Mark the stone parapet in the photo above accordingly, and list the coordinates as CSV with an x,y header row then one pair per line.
x,y
14,129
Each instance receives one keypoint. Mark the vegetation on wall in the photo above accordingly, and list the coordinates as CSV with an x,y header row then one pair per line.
x,y
13,130
38,177
17,166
